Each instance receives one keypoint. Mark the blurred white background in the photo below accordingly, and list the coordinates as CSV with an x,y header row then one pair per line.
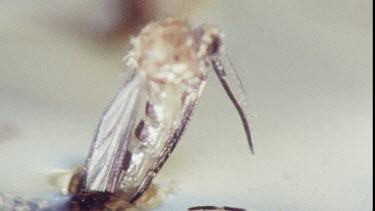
x,y
306,66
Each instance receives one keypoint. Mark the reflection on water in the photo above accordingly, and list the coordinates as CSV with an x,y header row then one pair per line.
x,y
9,202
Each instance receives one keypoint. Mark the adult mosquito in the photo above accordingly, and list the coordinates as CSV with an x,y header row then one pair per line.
x,y
170,64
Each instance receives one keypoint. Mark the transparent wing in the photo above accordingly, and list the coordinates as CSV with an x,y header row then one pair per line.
x,y
189,104
108,150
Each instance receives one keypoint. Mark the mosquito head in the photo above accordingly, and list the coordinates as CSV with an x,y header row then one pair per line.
x,y
210,40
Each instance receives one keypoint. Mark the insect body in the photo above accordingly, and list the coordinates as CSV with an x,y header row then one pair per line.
x,y
142,126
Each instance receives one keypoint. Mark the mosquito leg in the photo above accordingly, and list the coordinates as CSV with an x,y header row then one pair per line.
x,y
220,72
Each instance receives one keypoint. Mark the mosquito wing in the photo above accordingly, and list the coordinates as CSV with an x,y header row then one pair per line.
x,y
189,103
115,130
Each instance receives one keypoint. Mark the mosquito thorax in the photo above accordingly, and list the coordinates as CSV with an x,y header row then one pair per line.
x,y
169,52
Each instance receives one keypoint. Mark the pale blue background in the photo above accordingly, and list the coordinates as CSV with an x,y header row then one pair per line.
x,y
306,66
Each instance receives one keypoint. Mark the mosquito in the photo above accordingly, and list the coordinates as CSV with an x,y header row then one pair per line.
x,y
170,64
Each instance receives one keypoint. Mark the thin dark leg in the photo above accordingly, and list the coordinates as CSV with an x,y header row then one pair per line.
x,y
219,69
